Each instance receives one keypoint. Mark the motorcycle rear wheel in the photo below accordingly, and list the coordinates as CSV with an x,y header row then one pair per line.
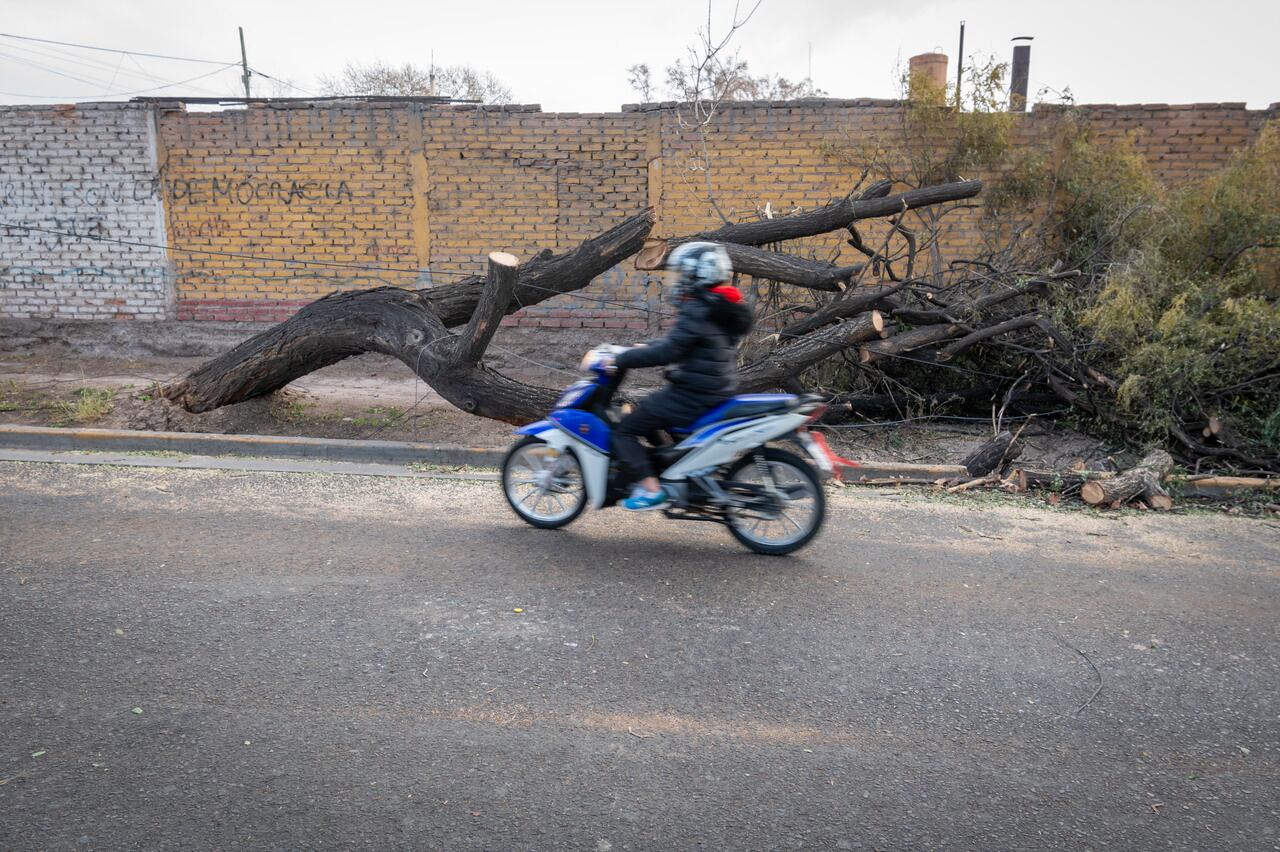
x,y
797,506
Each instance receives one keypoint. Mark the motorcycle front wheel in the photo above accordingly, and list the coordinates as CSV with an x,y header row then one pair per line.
x,y
543,486
787,502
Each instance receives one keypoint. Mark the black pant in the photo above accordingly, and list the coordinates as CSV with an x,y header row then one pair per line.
x,y
661,410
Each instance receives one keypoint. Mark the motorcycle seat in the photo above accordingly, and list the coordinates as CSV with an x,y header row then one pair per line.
x,y
745,405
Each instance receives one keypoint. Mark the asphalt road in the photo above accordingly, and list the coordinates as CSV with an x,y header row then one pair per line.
x,y
206,659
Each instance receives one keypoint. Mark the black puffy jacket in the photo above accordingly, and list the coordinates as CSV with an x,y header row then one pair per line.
x,y
701,348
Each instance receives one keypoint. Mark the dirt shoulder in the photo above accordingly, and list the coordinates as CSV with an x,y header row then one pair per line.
x,y
376,397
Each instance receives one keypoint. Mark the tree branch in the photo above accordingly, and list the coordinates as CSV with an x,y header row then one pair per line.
x,y
838,214
501,280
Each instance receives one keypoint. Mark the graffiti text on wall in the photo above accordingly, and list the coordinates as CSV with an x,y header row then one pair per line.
x,y
75,193
248,191
56,232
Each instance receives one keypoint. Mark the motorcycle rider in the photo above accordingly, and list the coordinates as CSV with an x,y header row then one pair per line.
x,y
701,355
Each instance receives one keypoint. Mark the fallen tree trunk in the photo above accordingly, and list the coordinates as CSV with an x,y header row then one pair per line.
x,y
760,263
907,341
786,362
838,214
895,405
412,326
1144,479
1023,479
991,455
387,320
854,302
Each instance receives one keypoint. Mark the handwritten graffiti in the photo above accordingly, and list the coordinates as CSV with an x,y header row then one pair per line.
x,y
77,193
214,226
136,281
56,232
215,190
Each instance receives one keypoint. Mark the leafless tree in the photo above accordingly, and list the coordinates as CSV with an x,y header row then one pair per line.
x,y
452,81
641,81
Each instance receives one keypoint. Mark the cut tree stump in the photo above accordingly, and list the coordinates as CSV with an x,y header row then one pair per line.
x,y
1144,479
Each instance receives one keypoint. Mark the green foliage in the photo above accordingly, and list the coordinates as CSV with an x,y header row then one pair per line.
x,y
1177,305
1187,315
1101,196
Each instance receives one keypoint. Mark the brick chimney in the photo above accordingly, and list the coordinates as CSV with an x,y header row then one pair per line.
x,y
931,70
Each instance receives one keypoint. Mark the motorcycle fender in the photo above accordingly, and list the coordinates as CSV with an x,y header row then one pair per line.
x,y
816,450
534,428
595,464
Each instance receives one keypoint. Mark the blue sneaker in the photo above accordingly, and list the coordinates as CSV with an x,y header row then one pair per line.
x,y
644,501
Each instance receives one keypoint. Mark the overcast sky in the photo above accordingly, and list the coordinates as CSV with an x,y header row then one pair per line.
x,y
572,55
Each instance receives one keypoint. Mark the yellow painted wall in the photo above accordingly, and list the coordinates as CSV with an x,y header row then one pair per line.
x,y
413,187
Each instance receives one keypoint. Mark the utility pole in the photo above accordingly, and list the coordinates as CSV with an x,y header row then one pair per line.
x,y
960,67
244,65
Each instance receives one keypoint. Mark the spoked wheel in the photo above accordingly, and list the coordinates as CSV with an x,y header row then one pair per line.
x,y
786,505
543,485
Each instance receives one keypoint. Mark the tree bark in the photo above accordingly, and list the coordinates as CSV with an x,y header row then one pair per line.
x,y
992,455
1145,477
789,269
547,275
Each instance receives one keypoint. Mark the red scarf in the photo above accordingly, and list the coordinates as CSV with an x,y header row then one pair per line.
x,y
729,292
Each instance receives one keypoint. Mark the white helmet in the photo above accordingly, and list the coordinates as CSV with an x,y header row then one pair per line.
x,y
699,266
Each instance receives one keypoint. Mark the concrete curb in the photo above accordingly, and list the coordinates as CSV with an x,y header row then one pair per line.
x,y
238,463
267,446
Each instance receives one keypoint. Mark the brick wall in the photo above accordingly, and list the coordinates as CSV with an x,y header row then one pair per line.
x,y
81,172
250,191
779,157
270,207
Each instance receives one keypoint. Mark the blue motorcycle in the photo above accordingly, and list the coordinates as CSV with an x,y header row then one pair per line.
x,y
720,469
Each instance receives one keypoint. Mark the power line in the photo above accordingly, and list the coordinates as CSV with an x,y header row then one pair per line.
x,y
282,82
55,54
114,49
42,67
108,94
94,66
